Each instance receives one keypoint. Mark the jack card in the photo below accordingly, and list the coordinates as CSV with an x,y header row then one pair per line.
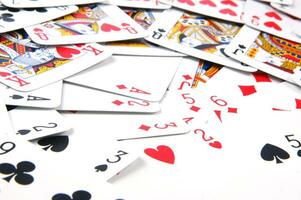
x,y
273,55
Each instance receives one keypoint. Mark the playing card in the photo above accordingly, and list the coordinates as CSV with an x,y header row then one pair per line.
x,y
145,18
44,3
81,98
229,10
153,4
196,35
268,53
92,23
292,9
14,18
6,123
31,124
267,19
147,77
46,97
26,66
24,168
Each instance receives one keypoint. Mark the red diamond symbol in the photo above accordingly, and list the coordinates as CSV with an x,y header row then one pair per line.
x,y
187,77
117,102
247,89
121,86
232,110
144,127
195,108
261,77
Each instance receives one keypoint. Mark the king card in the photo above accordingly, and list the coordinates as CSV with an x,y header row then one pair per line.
x,y
26,66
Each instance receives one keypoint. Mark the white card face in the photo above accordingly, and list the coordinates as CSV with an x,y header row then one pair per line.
x,y
229,10
267,53
153,4
6,128
267,19
188,33
44,3
13,19
293,10
29,170
28,66
146,77
31,124
45,97
79,98
145,18
283,2
102,23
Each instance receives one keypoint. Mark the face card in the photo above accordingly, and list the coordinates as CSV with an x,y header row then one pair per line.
x,y
44,3
265,18
143,76
229,10
91,23
145,18
293,9
46,97
153,4
14,18
26,66
196,35
31,124
268,53
81,98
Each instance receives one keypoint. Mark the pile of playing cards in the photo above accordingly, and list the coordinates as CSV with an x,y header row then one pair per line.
x,y
150,99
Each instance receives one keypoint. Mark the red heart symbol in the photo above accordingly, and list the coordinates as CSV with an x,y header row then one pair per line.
x,y
228,11
189,2
208,2
67,52
273,25
5,74
162,153
216,144
229,2
109,27
273,15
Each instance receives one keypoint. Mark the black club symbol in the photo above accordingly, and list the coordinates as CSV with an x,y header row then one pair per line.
x,y
18,172
77,195
9,9
7,17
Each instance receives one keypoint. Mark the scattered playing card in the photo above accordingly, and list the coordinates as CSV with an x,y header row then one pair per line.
x,y
153,4
32,123
81,98
46,97
44,3
27,66
265,18
92,23
143,76
268,53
